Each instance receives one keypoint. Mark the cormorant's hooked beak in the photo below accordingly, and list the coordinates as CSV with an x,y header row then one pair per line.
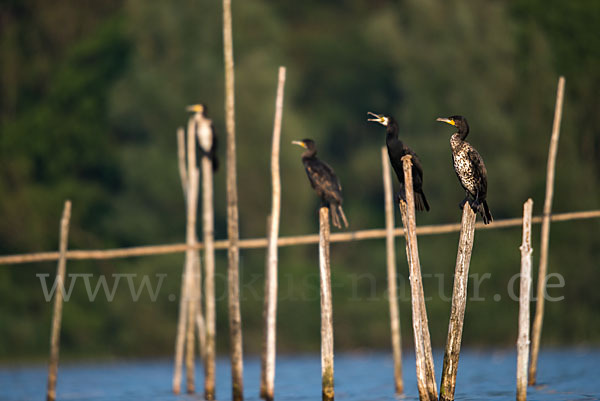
x,y
446,120
299,143
196,108
378,119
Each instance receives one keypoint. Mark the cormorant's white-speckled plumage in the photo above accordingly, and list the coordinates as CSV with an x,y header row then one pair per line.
x,y
469,168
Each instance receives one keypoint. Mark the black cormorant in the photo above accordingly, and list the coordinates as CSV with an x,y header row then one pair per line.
x,y
469,168
324,181
396,150
212,153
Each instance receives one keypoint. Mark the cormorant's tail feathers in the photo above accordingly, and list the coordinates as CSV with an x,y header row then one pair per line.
x,y
337,213
335,220
484,210
342,215
421,203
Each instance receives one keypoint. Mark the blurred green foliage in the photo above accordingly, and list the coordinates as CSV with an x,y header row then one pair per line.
x,y
92,93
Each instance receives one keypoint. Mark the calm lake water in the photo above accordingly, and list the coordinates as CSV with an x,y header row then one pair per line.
x,y
567,374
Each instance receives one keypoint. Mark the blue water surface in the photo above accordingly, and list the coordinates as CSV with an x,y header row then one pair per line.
x,y
566,374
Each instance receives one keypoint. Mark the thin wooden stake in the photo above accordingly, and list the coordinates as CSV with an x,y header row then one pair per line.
x,y
523,337
545,240
190,365
267,386
199,318
390,247
326,307
61,271
200,125
235,317
424,358
263,355
181,163
256,243
459,303
183,300
180,337
191,255
208,232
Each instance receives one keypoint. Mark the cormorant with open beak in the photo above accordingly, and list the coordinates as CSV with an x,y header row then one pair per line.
x,y
396,150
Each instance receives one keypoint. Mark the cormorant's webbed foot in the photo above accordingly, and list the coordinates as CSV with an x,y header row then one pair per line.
x,y
400,195
473,203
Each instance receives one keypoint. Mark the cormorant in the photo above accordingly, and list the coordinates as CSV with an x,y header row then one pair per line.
x,y
212,153
396,150
469,168
324,181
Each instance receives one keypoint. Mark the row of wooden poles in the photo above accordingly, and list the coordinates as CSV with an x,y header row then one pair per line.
x,y
198,319
192,318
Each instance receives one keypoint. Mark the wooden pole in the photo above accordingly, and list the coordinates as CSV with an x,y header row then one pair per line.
x,y
183,304
257,243
326,307
180,336
424,358
191,255
199,313
263,355
61,271
523,337
200,125
208,232
267,386
199,318
459,303
181,163
390,247
235,318
545,240
190,366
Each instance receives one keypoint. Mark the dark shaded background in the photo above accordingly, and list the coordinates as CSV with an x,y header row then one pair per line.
x,y
92,93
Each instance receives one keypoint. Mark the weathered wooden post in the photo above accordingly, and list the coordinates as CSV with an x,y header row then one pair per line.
x,y
205,137
181,163
61,271
390,247
545,240
235,317
326,307
191,254
190,365
183,304
424,358
189,301
267,383
199,313
459,303
523,337
180,336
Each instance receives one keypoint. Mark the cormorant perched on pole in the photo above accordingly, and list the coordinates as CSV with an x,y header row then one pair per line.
x,y
212,152
396,150
469,168
324,181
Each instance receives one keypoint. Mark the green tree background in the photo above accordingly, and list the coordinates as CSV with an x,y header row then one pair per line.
x,y
92,93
